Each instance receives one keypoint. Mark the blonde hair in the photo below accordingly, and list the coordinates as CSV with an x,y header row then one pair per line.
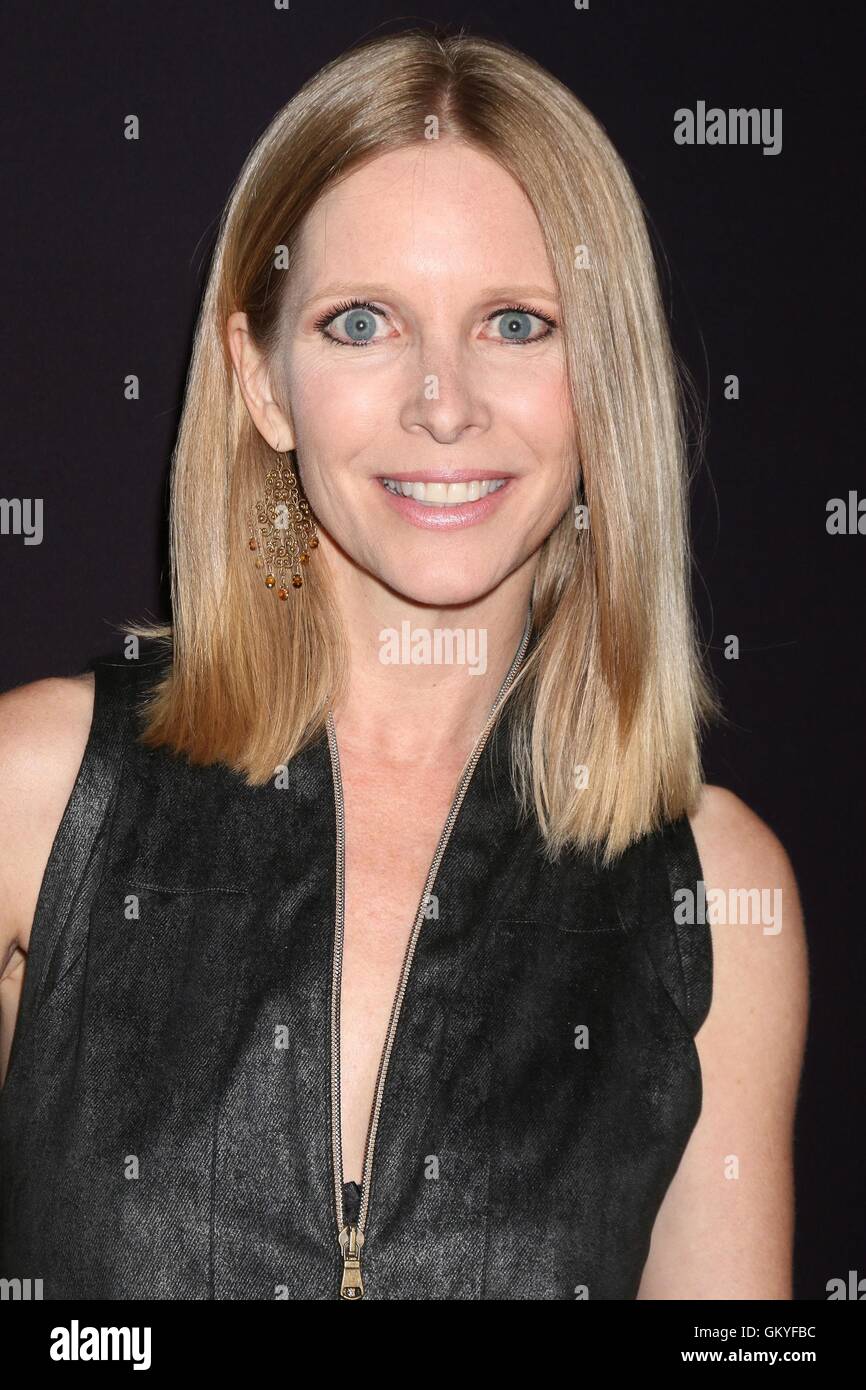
x,y
615,682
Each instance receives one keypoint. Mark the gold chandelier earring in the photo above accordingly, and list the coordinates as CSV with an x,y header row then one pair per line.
x,y
282,531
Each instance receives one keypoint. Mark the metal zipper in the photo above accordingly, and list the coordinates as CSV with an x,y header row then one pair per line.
x,y
351,1238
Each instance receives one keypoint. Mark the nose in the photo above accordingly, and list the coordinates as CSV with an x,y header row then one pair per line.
x,y
445,398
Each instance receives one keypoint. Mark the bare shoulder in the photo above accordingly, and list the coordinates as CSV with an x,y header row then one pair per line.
x,y
725,1228
44,728
731,838
756,920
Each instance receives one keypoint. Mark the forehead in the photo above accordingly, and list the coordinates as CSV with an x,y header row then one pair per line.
x,y
437,208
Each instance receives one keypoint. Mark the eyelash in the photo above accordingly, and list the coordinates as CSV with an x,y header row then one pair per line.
x,y
326,319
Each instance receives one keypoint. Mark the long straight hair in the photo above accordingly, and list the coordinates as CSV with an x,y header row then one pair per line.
x,y
610,702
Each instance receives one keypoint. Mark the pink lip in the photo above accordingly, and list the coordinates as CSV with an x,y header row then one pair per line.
x,y
444,518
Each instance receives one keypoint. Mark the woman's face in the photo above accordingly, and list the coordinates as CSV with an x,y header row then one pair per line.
x,y
431,420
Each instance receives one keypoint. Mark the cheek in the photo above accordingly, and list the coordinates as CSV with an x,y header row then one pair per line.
x,y
337,411
530,388
539,413
336,420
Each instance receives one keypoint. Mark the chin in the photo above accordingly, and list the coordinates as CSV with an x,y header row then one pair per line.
x,y
436,586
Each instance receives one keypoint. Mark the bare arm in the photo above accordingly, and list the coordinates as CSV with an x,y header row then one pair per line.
x,y
725,1228
44,728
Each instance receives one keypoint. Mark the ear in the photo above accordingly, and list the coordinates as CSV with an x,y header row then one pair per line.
x,y
253,377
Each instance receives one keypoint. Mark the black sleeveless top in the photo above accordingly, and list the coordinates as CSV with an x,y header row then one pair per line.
x,y
167,1124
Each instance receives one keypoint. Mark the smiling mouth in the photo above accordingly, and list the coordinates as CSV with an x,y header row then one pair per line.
x,y
444,494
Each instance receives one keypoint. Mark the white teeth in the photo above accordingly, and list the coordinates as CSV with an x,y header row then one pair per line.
x,y
445,494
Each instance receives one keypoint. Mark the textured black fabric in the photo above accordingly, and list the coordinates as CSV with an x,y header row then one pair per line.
x,y
157,1140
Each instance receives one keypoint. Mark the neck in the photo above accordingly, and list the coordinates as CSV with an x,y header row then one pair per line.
x,y
422,679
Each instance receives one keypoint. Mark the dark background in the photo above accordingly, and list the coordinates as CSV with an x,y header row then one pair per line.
x,y
105,250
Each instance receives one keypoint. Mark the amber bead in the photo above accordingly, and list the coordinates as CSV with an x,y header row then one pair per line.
x,y
283,593
270,580
297,581
253,545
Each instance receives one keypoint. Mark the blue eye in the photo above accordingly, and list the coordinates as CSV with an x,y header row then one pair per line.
x,y
516,325
360,325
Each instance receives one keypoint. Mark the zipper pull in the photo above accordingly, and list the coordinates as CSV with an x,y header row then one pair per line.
x,y
352,1285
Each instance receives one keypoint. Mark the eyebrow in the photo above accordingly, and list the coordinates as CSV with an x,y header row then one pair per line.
x,y
380,291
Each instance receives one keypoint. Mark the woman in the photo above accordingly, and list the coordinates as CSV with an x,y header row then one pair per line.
x,y
371,956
